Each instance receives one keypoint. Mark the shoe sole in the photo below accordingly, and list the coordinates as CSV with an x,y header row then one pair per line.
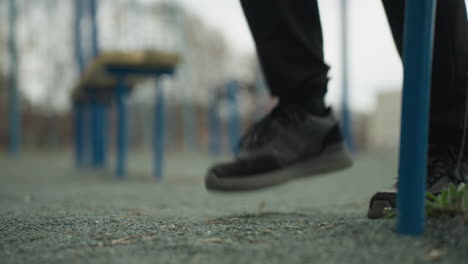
x,y
379,209
334,158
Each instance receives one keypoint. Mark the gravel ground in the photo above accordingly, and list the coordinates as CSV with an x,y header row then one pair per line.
x,y
50,213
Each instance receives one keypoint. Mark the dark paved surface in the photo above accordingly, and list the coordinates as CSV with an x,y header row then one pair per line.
x,y
49,213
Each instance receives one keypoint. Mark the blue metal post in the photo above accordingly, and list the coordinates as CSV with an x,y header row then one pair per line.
x,y
417,59
104,109
122,137
100,109
79,121
98,146
78,40
215,127
94,135
80,109
159,132
94,27
234,119
346,121
88,134
13,94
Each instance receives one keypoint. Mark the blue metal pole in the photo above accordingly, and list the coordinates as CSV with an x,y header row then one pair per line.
x,y
94,27
104,132
122,137
98,134
417,59
94,135
79,119
215,127
346,121
88,134
159,133
100,108
78,40
81,109
234,119
13,94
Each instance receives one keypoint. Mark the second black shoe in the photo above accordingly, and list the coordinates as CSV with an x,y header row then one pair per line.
x,y
445,166
287,144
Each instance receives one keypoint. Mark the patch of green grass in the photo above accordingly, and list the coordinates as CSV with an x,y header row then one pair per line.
x,y
452,201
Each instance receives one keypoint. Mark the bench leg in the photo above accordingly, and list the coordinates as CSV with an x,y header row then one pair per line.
x,y
104,133
159,132
417,58
215,128
122,139
99,134
14,109
79,134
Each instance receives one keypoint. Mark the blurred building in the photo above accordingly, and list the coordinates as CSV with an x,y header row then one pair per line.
x,y
383,132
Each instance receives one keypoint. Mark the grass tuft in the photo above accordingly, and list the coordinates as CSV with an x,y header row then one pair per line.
x,y
452,201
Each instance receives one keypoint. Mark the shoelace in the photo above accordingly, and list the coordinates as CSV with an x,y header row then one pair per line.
x,y
252,137
260,133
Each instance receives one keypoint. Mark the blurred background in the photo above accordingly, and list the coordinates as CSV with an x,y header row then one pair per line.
x,y
49,48
95,91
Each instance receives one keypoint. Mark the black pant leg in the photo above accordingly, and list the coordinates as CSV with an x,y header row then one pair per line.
x,y
288,37
450,66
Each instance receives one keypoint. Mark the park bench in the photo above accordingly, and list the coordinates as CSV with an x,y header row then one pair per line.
x,y
111,78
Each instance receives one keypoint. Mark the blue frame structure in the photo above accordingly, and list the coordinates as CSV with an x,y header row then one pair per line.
x,y
91,114
121,73
160,120
79,108
417,57
79,135
98,133
99,109
13,93
90,146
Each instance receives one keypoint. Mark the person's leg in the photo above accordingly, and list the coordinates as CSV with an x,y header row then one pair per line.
x,y
450,66
448,95
288,37
300,136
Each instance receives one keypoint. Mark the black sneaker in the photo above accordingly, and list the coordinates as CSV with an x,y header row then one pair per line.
x,y
287,144
444,167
